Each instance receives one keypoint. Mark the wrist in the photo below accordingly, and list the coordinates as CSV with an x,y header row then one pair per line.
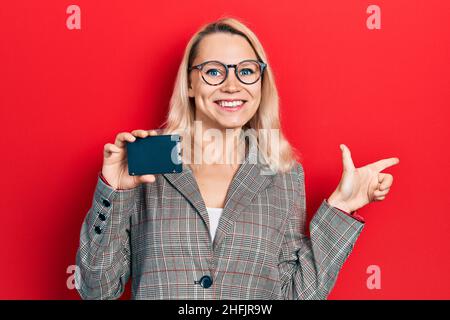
x,y
106,180
335,201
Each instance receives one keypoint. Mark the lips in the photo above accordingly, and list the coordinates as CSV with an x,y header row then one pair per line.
x,y
230,105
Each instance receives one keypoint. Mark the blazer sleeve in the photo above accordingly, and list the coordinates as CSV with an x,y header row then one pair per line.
x,y
309,266
103,256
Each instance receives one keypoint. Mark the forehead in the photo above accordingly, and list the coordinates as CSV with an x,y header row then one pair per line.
x,y
225,47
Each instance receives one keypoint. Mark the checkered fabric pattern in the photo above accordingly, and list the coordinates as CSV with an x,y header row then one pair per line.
x,y
157,234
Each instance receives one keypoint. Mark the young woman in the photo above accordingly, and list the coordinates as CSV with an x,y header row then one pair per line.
x,y
232,224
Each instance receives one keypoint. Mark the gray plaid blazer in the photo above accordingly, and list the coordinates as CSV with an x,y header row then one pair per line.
x,y
158,234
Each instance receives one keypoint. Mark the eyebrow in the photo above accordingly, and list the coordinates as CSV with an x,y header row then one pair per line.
x,y
256,59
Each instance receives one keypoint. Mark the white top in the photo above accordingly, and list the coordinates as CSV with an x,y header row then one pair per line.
x,y
214,216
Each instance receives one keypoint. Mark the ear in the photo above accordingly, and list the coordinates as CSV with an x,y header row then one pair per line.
x,y
190,90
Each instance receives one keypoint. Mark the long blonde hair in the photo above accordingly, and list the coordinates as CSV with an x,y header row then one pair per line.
x,y
181,115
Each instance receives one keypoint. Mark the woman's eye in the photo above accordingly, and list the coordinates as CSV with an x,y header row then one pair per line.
x,y
213,72
246,72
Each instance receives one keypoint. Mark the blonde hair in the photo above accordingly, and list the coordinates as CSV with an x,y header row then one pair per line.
x,y
181,113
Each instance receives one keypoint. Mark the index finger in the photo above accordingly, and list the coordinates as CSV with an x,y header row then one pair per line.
x,y
153,132
385,163
122,137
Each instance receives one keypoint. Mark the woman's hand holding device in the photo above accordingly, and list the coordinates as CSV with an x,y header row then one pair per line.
x,y
115,163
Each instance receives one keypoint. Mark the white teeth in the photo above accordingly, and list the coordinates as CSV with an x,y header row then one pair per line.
x,y
230,104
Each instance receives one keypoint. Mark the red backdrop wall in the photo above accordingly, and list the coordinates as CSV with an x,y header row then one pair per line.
x,y
384,92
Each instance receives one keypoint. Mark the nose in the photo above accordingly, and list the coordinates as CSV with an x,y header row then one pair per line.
x,y
231,83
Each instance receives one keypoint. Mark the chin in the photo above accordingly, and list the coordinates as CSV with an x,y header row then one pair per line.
x,y
230,122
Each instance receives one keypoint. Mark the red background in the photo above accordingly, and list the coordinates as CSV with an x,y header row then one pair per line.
x,y
65,93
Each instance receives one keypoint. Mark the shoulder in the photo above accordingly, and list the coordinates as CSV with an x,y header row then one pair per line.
x,y
296,172
291,180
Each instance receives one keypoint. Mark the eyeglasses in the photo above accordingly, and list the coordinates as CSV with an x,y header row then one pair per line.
x,y
215,72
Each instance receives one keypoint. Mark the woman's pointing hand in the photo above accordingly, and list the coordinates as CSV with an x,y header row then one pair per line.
x,y
360,186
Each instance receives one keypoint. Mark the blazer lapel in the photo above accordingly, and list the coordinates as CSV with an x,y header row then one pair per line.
x,y
186,184
249,180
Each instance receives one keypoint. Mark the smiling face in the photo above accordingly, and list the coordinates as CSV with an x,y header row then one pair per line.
x,y
210,107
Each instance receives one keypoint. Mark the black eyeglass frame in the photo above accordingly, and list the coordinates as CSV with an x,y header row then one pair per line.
x,y
261,64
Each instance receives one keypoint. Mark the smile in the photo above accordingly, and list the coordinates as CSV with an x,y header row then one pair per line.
x,y
230,105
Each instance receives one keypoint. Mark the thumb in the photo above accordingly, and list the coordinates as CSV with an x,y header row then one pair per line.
x,y
146,178
347,158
